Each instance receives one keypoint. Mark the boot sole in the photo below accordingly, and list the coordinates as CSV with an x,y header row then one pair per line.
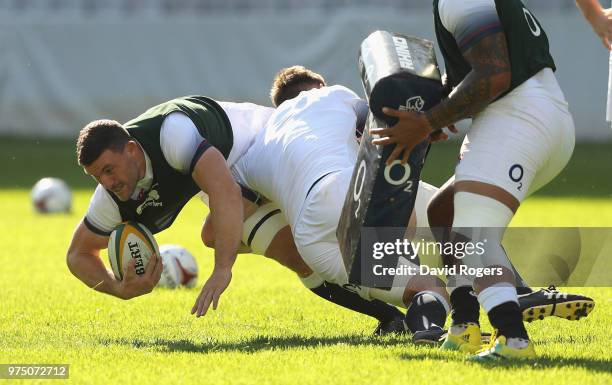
x,y
571,310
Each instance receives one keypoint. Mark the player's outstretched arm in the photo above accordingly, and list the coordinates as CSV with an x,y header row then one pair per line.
x,y
83,260
489,78
213,177
599,18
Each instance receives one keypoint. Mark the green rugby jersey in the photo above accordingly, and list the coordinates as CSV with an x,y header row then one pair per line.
x,y
171,189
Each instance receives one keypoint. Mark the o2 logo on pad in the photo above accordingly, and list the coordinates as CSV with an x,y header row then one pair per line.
x,y
395,176
399,178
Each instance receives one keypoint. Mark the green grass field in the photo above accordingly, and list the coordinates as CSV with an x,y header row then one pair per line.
x,y
268,329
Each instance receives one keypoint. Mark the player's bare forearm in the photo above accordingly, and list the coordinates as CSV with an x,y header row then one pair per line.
x,y
227,223
84,261
599,18
213,177
489,78
90,270
225,199
589,8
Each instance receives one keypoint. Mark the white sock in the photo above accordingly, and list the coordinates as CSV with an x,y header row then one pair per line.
x,y
496,295
440,299
474,210
457,329
517,343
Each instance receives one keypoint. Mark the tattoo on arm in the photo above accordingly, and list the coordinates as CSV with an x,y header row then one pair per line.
x,y
489,78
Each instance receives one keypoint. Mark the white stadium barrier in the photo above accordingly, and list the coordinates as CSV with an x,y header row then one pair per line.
x,y
65,64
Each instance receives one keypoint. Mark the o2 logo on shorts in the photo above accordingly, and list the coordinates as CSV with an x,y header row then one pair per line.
x,y
358,187
516,175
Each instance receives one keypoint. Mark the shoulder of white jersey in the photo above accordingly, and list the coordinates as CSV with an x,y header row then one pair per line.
x,y
103,213
454,12
342,89
179,139
228,106
446,10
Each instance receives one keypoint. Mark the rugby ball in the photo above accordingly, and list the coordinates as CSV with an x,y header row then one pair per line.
x,y
130,240
170,277
180,267
51,195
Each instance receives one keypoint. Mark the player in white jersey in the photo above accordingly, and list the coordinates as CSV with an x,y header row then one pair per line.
x,y
303,161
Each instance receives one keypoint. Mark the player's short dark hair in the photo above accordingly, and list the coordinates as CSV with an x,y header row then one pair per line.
x,y
290,81
98,136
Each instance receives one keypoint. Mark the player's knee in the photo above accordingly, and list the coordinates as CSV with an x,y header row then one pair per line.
x,y
312,281
208,242
440,209
332,270
440,213
283,250
424,283
70,260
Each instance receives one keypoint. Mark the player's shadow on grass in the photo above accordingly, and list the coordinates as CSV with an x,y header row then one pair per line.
x,y
265,343
260,343
544,363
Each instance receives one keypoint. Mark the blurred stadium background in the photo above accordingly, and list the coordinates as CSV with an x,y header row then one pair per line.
x,y
66,62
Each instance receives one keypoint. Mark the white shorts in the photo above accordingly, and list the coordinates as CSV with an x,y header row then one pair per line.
x,y
316,241
520,142
425,192
315,230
